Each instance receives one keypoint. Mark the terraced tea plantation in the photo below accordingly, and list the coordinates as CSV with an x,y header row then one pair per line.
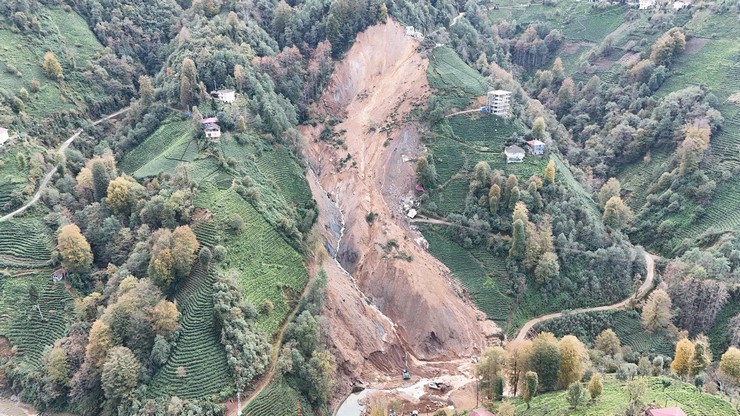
x,y
277,399
38,324
25,242
197,366
483,275
170,145
269,267
453,79
614,399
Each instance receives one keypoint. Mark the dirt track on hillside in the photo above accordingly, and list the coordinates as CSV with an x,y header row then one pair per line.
x,y
383,305
645,288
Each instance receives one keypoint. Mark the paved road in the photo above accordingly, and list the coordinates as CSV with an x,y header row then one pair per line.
x,y
48,176
644,289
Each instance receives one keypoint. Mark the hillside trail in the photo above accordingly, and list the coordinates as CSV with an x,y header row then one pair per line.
x,y
269,375
60,151
644,289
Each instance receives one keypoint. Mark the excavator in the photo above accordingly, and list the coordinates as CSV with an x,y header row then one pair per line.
x,y
406,374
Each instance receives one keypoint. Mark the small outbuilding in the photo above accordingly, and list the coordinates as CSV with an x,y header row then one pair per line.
x,y
514,154
224,96
480,412
4,137
536,147
209,120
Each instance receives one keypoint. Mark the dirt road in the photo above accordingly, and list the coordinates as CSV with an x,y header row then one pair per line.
x,y
48,176
644,290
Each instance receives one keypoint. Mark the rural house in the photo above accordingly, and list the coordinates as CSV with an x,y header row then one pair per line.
x,y
211,127
224,96
480,412
646,4
499,103
3,135
514,154
536,147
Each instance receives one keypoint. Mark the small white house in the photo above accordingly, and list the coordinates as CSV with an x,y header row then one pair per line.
x,y
212,131
514,154
224,96
646,4
4,137
536,147
678,5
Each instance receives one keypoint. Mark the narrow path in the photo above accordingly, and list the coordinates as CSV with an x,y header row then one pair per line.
x,y
456,18
475,110
269,375
48,176
644,289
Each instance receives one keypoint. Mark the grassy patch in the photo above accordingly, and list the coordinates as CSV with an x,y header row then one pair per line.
x,y
21,55
614,400
17,173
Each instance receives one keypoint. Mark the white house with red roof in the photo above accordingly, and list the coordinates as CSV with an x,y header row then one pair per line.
x,y
211,128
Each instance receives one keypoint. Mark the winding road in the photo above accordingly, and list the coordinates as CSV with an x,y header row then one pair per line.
x,y
644,290
48,176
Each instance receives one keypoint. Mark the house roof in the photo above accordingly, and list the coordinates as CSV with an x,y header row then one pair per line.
x,y
225,91
668,411
3,130
212,127
480,412
500,92
535,143
513,150
209,120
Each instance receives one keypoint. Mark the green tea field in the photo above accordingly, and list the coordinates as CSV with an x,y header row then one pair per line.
x,y
614,400
278,399
270,269
197,366
169,146
25,243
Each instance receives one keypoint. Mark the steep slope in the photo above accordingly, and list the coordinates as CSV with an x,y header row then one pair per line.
x,y
361,168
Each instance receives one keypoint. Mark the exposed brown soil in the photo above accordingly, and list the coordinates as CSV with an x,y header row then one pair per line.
x,y
695,44
386,305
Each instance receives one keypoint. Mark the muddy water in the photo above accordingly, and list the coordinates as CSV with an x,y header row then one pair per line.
x,y
352,405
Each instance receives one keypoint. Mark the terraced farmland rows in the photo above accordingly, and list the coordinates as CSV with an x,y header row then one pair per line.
x,y
37,327
25,243
449,158
171,144
630,331
278,166
448,74
270,268
484,130
452,197
484,291
277,399
197,366
206,233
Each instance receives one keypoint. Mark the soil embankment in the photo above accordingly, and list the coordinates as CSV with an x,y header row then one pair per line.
x,y
386,294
